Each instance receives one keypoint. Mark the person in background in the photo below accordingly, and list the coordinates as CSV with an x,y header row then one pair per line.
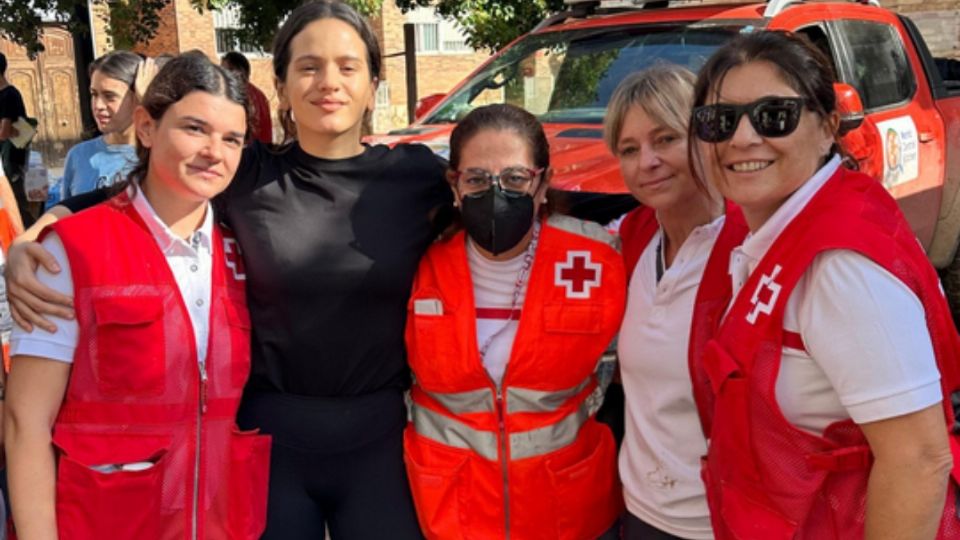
x,y
107,159
121,423
10,227
667,244
507,322
262,126
835,363
13,159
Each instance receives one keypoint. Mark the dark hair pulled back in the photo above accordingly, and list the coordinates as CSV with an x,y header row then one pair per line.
x,y
119,65
803,66
501,117
190,72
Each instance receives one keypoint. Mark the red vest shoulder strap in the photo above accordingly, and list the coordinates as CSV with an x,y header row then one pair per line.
x,y
636,231
713,297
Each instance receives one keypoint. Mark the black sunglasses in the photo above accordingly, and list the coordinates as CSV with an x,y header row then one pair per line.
x,y
769,116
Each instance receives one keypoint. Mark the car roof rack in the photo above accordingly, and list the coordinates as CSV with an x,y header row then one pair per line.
x,y
584,8
617,4
775,7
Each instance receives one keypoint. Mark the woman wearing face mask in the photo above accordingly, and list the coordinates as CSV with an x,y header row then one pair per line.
x,y
667,244
831,417
506,324
102,161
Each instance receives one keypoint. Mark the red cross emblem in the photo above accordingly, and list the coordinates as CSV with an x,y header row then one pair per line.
x,y
233,259
769,288
578,274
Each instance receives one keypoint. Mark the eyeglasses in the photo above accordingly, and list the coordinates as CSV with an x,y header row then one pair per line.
x,y
769,116
512,180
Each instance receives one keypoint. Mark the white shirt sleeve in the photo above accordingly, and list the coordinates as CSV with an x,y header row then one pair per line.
x,y
61,344
867,331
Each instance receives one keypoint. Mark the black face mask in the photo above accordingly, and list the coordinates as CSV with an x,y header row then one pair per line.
x,y
495,221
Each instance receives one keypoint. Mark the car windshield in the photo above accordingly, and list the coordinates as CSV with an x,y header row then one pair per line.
x,y
568,76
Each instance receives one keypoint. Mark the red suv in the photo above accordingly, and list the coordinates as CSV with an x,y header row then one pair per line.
x,y
898,102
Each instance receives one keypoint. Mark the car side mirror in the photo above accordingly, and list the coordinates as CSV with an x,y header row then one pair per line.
x,y
425,104
849,106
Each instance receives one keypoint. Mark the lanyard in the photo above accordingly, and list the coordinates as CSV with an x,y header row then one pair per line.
x,y
660,263
517,288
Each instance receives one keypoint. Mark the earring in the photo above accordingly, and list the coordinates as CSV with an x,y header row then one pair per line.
x,y
292,117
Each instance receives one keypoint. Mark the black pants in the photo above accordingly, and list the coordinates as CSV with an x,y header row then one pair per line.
x,y
337,463
635,529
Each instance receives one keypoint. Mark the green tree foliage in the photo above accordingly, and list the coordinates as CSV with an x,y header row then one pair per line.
x,y
488,24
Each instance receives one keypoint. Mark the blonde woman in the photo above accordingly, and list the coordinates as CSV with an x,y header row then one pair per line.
x,y
667,243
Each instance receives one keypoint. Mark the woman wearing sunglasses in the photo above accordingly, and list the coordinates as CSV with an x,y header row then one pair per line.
x,y
829,420
667,243
506,323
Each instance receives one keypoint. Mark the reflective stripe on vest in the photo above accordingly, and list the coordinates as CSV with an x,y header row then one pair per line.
x,y
548,438
452,432
539,401
472,401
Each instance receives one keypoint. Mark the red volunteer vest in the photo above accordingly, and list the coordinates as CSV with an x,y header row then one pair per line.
x,y
528,460
766,479
137,394
636,231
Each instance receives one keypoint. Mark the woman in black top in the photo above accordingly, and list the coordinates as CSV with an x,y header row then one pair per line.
x,y
331,232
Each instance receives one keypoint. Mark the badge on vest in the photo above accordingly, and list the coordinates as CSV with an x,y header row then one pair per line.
x,y
233,260
428,306
578,275
768,288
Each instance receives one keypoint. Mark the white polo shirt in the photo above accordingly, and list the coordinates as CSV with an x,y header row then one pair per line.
x,y
868,355
190,262
663,443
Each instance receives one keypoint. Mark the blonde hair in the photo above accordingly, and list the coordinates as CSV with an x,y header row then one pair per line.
x,y
664,91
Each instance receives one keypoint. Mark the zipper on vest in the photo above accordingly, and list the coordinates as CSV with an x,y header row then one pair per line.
x,y
201,410
503,461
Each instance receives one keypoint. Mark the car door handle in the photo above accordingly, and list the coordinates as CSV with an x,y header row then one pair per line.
x,y
925,136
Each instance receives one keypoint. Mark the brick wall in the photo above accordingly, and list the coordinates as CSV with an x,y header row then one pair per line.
x,y
937,20
100,19
194,29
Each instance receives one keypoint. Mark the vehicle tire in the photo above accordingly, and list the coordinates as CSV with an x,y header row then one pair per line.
x,y
950,277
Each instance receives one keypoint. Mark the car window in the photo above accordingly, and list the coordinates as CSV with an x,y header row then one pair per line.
x,y
569,76
881,70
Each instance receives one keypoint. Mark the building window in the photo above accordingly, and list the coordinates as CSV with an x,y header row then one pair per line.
x,y
427,37
226,22
383,94
435,35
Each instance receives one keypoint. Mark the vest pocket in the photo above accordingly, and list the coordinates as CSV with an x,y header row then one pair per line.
x,y
586,493
733,482
438,488
435,342
572,318
130,348
249,474
103,493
